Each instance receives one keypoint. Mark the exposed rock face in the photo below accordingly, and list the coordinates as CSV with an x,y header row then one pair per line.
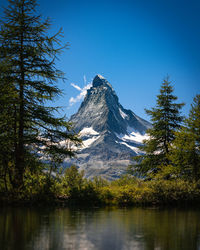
x,y
111,134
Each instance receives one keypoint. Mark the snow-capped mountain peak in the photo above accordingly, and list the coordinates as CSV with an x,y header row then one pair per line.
x,y
111,134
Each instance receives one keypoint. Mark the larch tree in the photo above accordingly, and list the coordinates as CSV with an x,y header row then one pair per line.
x,y
28,62
185,150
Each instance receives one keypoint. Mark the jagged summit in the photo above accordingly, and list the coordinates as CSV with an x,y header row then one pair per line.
x,y
101,110
99,77
99,80
111,134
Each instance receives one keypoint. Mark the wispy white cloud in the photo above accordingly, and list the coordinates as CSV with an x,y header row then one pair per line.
x,y
83,92
75,86
84,79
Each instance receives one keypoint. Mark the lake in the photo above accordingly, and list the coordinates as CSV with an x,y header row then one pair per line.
x,y
106,229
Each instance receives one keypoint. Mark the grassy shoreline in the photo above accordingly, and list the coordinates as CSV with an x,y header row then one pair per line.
x,y
123,192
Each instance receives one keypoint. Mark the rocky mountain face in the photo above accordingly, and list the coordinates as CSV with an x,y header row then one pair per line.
x,y
111,134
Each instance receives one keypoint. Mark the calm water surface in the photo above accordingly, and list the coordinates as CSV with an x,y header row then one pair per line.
x,y
106,229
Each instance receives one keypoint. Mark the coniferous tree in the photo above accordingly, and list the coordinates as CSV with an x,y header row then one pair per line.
x,y
7,121
32,76
185,151
166,119
194,120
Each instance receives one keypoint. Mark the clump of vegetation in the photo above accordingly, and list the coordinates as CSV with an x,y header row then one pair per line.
x,y
72,188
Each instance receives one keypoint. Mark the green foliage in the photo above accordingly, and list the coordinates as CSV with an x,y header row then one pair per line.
x,y
166,172
193,121
126,179
73,181
166,120
28,80
99,182
73,189
185,151
79,190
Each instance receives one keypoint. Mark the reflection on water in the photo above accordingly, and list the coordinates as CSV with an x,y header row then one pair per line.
x,y
133,228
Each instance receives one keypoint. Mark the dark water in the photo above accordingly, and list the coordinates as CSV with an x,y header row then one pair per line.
x,y
106,229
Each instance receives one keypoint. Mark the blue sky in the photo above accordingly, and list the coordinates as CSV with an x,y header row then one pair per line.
x,y
133,44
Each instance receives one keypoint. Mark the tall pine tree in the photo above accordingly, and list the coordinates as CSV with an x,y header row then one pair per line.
x,y
166,119
32,76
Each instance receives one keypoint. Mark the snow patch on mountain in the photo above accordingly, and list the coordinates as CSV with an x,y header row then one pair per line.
x,y
124,116
88,131
100,77
88,135
88,142
133,136
135,149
